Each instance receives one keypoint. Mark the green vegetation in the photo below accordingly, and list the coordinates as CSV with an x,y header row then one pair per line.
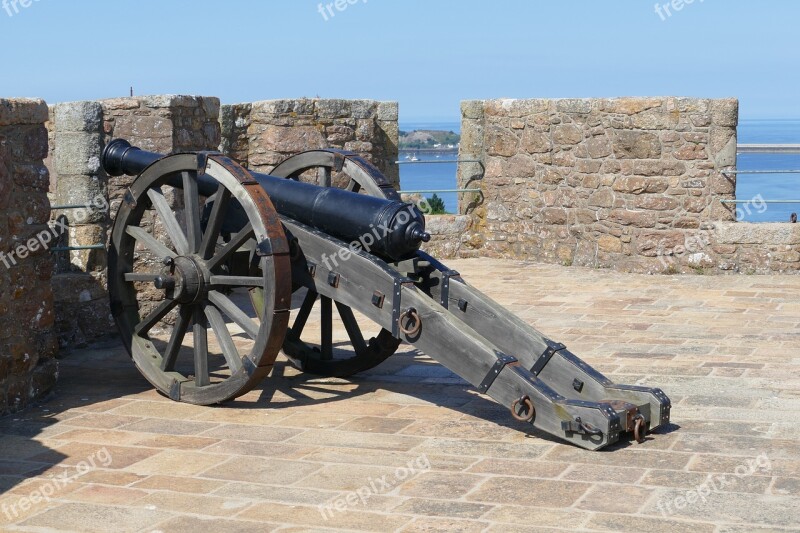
x,y
436,205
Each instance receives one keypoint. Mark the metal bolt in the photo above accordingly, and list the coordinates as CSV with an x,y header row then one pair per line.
x,y
164,282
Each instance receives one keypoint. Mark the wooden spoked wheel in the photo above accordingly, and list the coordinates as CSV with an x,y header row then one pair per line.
x,y
170,277
335,168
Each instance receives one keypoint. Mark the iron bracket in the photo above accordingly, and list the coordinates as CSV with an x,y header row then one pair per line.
x,y
397,295
503,361
552,349
444,297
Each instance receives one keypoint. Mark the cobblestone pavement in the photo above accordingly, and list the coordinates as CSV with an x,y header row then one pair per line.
x,y
425,452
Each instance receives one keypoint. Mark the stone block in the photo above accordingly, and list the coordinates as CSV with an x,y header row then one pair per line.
x,y
636,145
84,117
763,234
17,111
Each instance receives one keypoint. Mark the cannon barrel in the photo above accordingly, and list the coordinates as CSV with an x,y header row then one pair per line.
x,y
396,229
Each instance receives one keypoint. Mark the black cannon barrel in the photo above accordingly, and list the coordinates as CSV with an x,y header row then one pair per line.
x,y
396,229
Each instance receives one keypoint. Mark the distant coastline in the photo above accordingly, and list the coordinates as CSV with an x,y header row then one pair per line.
x,y
429,140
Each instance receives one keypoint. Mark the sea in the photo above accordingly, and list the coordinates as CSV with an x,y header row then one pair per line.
x,y
753,190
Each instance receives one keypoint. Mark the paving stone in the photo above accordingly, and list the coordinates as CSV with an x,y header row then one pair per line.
x,y
374,424
262,470
628,522
313,516
197,504
352,477
446,508
615,499
724,507
534,515
176,463
440,485
191,524
427,525
544,493
516,467
190,485
96,518
106,495
242,432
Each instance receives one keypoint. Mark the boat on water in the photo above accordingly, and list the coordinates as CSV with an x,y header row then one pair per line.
x,y
414,158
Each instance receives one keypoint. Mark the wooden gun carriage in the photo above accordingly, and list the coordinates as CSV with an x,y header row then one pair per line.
x,y
355,249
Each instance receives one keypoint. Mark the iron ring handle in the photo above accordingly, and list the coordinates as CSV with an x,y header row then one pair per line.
x,y
529,409
413,316
639,430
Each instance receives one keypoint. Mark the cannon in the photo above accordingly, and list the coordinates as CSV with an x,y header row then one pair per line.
x,y
200,246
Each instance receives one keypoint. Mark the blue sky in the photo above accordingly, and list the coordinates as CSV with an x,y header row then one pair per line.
x,y
428,55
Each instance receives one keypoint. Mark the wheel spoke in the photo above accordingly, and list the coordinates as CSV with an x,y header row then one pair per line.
x,y
215,220
353,186
171,224
326,345
234,313
224,338
324,176
153,318
200,341
353,331
238,281
236,242
191,206
150,242
176,339
304,313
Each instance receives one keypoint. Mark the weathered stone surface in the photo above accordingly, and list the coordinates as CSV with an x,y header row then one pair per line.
x,y
500,141
559,175
263,134
78,117
769,234
27,339
22,111
636,145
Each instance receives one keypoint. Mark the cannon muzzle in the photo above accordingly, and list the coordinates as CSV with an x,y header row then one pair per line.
x,y
383,227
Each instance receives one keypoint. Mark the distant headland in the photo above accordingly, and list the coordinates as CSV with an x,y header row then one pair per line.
x,y
429,140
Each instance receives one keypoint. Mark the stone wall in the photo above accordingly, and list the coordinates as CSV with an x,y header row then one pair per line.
x,y
262,134
634,184
28,346
157,123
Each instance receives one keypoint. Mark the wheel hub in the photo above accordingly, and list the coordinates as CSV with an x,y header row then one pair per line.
x,y
184,278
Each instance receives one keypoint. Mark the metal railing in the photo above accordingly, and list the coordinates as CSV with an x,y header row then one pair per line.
x,y
67,207
441,162
763,149
437,161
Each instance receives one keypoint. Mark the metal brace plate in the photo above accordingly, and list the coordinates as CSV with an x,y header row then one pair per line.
x,y
397,294
444,298
503,360
552,349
